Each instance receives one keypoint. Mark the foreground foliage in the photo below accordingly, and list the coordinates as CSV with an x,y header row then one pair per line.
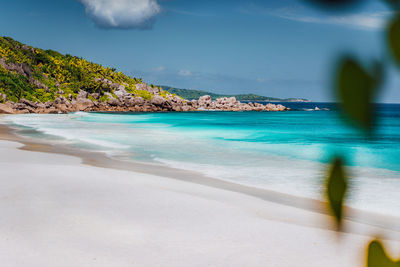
x,y
356,88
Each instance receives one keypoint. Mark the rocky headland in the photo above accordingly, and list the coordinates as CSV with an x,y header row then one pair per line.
x,y
33,80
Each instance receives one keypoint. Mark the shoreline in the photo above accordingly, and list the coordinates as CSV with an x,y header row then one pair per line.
x,y
68,207
101,160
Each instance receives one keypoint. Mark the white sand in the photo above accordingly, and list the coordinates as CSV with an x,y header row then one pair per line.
x,y
56,211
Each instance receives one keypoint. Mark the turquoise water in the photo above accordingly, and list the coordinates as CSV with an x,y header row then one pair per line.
x,y
283,151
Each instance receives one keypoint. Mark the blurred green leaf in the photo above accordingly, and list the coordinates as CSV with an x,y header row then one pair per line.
x,y
377,256
356,90
394,38
393,3
336,189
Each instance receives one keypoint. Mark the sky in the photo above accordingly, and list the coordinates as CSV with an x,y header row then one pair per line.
x,y
284,48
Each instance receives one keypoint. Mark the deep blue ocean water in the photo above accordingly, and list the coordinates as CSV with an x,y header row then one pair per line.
x,y
282,151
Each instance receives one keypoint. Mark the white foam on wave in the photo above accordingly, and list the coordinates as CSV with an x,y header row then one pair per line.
x,y
301,179
79,136
306,179
62,126
78,114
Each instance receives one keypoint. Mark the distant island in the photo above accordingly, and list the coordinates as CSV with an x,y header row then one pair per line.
x,y
195,94
33,80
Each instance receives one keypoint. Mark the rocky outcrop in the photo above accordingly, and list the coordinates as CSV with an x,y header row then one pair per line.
x,y
205,102
83,104
272,107
231,104
145,87
106,84
38,84
158,101
22,69
120,100
6,109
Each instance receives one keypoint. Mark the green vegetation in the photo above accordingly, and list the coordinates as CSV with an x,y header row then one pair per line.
x,y
144,94
42,75
195,94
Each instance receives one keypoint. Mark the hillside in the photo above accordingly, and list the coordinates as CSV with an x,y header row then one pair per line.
x,y
42,75
34,80
195,94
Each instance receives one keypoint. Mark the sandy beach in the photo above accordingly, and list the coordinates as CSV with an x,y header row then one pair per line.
x,y
141,133
62,209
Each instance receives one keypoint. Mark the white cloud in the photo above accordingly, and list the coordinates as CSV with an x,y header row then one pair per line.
x,y
125,14
185,73
364,21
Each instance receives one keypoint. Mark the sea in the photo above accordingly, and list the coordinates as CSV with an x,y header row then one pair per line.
x,y
287,152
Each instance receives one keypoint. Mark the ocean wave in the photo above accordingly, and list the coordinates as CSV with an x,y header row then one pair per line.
x,y
78,114
78,137
272,175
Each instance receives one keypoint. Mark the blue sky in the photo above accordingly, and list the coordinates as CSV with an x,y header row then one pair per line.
x,y
280,48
